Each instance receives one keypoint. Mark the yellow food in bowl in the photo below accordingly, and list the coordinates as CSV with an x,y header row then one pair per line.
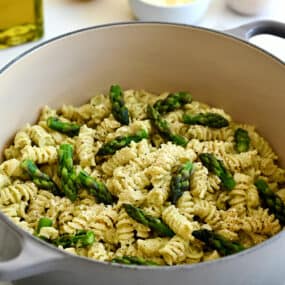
x,y
168,2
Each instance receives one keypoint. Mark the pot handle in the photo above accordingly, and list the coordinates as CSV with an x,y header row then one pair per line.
x,y
29,256
249,30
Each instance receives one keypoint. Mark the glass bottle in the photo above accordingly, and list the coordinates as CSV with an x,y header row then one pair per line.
x,y
21,21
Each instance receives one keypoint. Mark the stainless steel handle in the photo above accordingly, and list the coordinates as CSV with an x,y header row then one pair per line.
x,y
249,30
30,257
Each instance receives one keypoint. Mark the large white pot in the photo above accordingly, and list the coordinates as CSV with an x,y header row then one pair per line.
x,y
216,68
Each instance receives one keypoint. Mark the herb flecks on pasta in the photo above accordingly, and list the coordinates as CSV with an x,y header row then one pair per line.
x,y
149,199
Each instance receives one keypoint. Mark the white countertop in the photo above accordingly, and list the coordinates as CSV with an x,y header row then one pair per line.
x,y
63,16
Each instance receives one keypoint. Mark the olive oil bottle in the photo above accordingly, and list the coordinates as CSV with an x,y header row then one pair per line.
x,y
21,21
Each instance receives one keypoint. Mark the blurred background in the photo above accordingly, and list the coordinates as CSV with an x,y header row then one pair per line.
x,y
63,16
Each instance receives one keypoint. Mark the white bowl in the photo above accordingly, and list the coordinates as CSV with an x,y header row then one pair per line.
x,y
189,13
249,7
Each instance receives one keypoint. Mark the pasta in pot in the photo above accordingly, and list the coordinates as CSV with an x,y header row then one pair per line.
x,y
125,167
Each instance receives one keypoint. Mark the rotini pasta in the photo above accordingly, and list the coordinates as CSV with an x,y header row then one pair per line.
x,y
12,168
179,223
40,136
22,138
41,155
85,147
175,251
151,247
18,192
140,174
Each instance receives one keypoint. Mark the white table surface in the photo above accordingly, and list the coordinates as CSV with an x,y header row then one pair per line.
x,y
63,16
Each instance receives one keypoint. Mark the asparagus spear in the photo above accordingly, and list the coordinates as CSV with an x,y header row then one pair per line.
x,y
242,140
44,222
119,110
272,201
96,188
163,127
82,238
67,172
218,168
155,224
41,179
133,260
180,181
121,142
218,242
69,129
211,120
172,101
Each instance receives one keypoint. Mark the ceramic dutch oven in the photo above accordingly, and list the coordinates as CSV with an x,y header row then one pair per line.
x,y
219,68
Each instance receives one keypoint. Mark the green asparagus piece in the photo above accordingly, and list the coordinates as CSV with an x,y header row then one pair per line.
x,y
41,179
180,181
96,188
271,200
211,120
133,260
156,224
218,168
218,242
242,140
67,171
163,127
82,238
69,129
172,101
44,222
119,110
121,142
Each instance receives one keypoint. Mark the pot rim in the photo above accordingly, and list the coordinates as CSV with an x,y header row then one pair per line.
x,y
143,23
22,234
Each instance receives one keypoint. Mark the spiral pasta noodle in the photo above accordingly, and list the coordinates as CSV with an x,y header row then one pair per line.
x,y
18,192
151,247
175,251
143,174
41,155
22,138
178,223
85,147
125,229
40,136
12,168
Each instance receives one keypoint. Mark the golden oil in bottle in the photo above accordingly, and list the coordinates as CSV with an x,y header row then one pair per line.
x,y
21,21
